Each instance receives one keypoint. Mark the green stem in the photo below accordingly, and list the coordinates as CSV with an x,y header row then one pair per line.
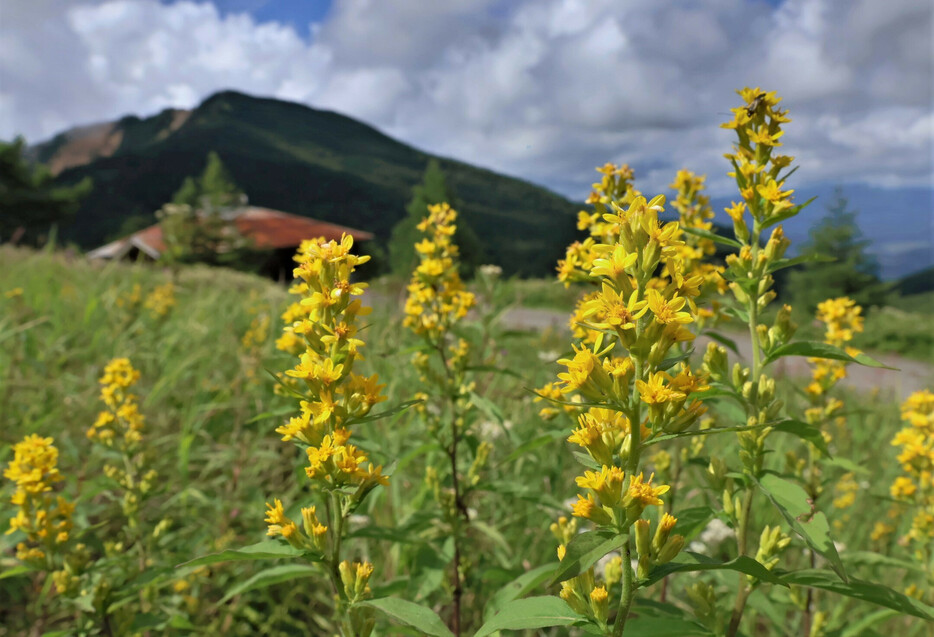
x,y
632,465
629,590
742,592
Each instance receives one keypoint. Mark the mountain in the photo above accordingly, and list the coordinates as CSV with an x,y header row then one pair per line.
x,y
300,160
917,283
899,222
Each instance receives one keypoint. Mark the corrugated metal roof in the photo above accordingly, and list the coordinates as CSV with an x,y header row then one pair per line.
x,y
269,229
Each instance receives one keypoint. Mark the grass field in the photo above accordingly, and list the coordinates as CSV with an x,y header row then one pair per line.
x,y
211,410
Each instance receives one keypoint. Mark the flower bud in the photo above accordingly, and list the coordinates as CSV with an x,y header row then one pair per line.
x,y
641,528
671,549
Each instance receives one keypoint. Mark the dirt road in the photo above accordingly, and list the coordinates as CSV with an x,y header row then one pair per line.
x,y
912,375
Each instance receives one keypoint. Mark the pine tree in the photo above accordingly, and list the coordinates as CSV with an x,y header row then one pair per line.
x,y
434,189
193,226
30,202
216,184
853,272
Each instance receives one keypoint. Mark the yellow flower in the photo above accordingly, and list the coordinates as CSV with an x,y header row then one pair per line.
x,y
667,311
45,518
903,487
615,311
642,492
657,390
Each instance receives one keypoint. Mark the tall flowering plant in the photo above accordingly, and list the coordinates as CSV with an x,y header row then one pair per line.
x,y
332,397
437,301
634,392
914,489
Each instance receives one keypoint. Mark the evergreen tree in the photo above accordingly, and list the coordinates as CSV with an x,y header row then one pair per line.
x,y
214,188
193,226
434,189
853,272
216,184
30,202
188,194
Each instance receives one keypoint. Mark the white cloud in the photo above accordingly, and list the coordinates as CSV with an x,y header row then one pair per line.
x,y
545,89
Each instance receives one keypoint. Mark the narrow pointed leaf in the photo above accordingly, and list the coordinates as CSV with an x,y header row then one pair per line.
x,y
860,589
806,432
689,562
816,349
519,587
270,576
707,234
793,503
583,550
265,550
411,614
532,612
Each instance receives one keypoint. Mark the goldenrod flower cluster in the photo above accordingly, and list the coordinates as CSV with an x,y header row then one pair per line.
x,y
635,319
161,300
756,167
683,264
694,212
325,322
437,298
121,423
45,517
757,170
615,185
120,426
132,299
842,318
916,445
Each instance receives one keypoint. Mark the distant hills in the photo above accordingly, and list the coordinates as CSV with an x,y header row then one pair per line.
x,y
300,160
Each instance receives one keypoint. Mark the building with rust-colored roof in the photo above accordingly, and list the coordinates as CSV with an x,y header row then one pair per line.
x,y
273,231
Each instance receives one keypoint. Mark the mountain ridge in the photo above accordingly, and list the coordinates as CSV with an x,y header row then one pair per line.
x,y
301,160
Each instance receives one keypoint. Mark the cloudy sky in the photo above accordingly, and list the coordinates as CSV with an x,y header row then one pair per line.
x,y
543,89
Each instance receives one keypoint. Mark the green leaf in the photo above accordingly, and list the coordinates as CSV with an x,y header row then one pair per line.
x,y
583,550
707,234
806,432
271,576
858,628
533,612
410,614
689,562
868,558
519,587
16,571
862,590
543,440
392,411
787,213
271,414
817,349
795,506
265,550
692,521
289,390
494,370
723,340
664,627
781,264
668,363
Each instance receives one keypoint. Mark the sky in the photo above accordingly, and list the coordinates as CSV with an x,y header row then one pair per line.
x,y
541,89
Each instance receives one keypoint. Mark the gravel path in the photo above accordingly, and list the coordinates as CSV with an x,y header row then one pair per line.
x,y
912,375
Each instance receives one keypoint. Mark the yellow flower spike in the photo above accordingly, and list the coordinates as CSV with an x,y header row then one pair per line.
x,y
44,518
